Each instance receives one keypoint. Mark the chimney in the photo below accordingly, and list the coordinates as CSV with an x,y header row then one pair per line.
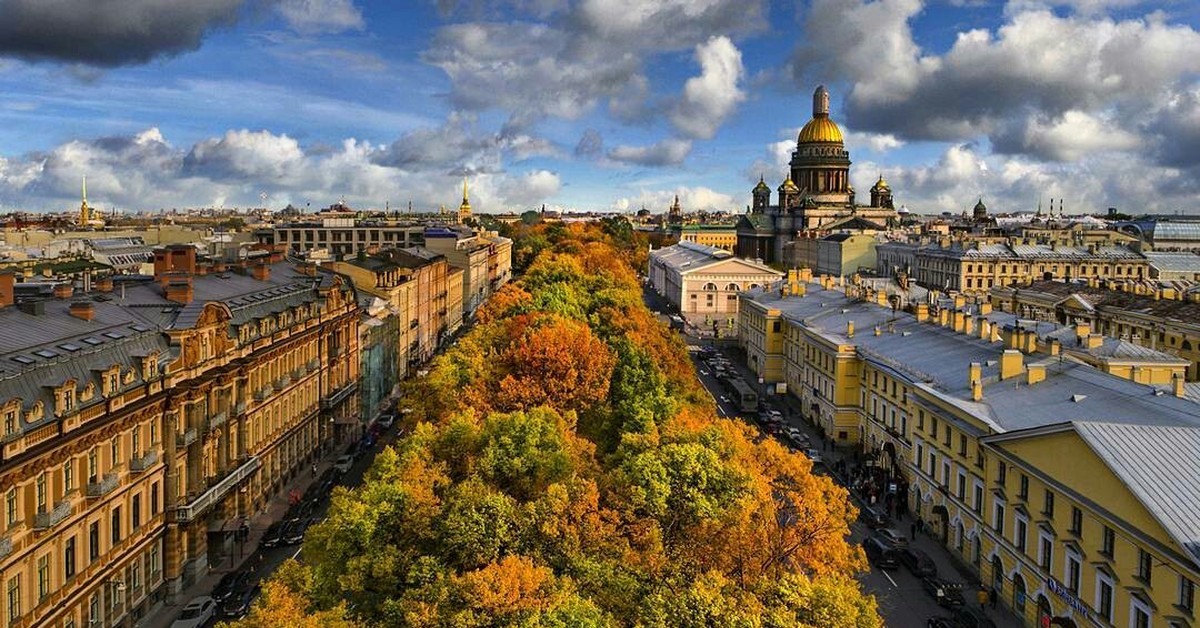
x,y
968,325
975,378
104,284
63,290
261,272
985,329
878,330
201,269
985,307
1055,347
1177,384
83,310
218,266
922,312
881,297
1094,341
8,282
849,329
959,301
1035,373
1081,331
1011,363
944,317
176,258
1031,342
960,321
179,288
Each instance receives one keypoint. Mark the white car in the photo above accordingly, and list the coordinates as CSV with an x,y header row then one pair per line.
x,y
814,455
386,421
197,612
344,463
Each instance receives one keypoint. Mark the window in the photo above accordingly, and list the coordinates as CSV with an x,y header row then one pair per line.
x,y
978,497
10,507
136,512
932,463
116,525
1023,492
154,499
69,558
135,446
69,475
43,576
1104,597
962,445
946,474
93,541
1045,551
1139,616
154,566
1076,521
153,433
1144,565
998,518
40,491
14,598
1109,542
115,451
1002,474
1187,594
93,466
1021,532
1048,504
962,485
1071,573
10,422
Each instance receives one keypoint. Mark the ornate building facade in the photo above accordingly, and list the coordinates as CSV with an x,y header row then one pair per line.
x,y
816,192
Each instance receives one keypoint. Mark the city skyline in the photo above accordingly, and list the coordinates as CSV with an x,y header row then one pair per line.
x,y
595,105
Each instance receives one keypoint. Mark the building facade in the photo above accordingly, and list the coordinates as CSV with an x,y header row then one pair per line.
x,y
697,279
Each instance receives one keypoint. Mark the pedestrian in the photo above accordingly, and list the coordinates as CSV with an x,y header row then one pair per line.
x,y
993,597
912,530
982,596
314,470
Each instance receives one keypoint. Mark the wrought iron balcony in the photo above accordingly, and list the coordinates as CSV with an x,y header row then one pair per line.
x,y
240,408
217,420
283,382
46,520
338,396
186,438
205,500
313,365
6,547
147,460
104,486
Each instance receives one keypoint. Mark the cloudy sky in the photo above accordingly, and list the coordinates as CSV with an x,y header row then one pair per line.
x,y
594,104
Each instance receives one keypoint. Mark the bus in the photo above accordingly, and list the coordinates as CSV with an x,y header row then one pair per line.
x,y
744,395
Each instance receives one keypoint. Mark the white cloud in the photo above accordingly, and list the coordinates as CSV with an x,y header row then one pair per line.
x,y
713,95
876,142
321,16
530,188
690,198
668,152
244,154
1071,137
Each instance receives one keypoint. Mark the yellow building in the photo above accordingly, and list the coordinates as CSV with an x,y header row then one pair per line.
x,y
1069,490
139,431
484,257
699,279
718,236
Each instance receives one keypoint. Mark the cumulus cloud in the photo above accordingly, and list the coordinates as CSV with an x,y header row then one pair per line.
x,y
591,145
713,95
530,188
245,155
690,198
108,33
321,16
668,152
1071,137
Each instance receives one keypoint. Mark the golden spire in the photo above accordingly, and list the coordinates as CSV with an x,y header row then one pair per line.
x,y
85,214
464,210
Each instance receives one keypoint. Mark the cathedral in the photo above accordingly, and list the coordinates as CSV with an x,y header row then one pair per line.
x,y
816,196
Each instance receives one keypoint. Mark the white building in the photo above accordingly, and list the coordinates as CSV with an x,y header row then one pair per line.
x,y
704,279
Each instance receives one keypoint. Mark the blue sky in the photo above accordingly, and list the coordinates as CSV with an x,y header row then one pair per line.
x,y
594,104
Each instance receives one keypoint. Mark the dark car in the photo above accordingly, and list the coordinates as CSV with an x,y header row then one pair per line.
x,y
238,604
294,534
229,583
942,622
971,617
918,563
880,554
873,517
273,535
947,594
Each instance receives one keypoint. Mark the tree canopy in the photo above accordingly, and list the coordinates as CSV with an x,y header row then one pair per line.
x,y
563,467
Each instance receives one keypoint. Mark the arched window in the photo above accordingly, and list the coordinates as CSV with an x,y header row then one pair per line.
x,y
753,286
710,287
733,287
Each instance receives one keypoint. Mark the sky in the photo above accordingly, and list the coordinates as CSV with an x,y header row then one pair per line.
x,y
594,104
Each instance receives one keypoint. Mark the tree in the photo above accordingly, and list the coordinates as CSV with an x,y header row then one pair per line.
x,y
560,364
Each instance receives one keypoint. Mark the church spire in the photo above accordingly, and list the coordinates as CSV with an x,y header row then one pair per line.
x,y
85,213
464,210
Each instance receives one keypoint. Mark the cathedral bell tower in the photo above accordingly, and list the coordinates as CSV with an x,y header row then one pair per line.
x,y
820,165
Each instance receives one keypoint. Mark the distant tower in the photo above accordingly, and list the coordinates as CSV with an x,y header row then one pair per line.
x,y
464,210
881,194
762,196
85,212
675,213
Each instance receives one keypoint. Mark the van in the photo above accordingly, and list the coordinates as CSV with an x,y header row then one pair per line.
x,y
880,554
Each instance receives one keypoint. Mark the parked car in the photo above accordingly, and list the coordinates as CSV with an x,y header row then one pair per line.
x,y
918,563
273,535
229,583
971,617
879,553
892,536
294,534
873,517
386,421
238,604
947,594
942,622
344,463
197,612
814,455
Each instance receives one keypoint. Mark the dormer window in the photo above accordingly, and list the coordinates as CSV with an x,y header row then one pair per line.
x,y
112,383
67,399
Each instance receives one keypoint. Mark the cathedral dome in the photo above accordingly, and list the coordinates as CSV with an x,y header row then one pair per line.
x,y
820,130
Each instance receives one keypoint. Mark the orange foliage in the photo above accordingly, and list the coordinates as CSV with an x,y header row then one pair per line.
x,y
560,364
503,303
513,585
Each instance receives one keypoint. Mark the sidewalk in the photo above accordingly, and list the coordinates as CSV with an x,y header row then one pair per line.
x,y
274,511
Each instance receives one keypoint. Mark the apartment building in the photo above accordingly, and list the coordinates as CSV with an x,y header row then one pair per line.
x,y
1069,490
143,422
343,236
484,257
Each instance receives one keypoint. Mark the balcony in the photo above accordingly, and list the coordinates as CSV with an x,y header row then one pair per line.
x,y
338,396
185,439
47,520
205,500
147,460
283,382
240,408
6,547
313,365
217,420
298,373
104,486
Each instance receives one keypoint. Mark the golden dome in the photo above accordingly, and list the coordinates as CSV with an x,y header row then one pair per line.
x,y
820,129
881,184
